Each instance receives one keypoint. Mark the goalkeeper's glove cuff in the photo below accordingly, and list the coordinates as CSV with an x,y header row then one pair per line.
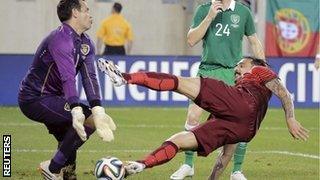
x,y
76,110
94,103
97,110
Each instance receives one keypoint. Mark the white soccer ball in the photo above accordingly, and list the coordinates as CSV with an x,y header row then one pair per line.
x,y
109,168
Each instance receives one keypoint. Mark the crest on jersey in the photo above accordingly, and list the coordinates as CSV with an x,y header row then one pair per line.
x,y
235,19
85,49
67,107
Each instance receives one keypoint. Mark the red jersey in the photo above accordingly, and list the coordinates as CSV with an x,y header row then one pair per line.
x,y
254,83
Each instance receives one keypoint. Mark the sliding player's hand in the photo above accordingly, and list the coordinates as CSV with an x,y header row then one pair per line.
x,y
77,122
103,123
296,130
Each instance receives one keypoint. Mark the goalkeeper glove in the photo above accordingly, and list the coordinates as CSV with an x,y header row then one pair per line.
x,y
77,122
103,123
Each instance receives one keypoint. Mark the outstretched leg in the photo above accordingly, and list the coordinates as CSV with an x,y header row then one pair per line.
x,y
189,87
164,153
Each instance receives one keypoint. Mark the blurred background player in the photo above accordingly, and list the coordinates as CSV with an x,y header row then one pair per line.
x,y
48,92
236,112
221,26
115,32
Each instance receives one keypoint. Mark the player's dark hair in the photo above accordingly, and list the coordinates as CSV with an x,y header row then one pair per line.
x,y
117,7
65,7
257,61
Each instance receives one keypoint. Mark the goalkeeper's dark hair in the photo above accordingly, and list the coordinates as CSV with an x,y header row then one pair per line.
x,y
257,61
65,7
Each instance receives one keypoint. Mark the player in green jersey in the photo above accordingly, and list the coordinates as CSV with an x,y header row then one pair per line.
x,y
221,26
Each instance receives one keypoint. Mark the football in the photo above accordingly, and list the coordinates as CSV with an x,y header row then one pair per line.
x,y
109,168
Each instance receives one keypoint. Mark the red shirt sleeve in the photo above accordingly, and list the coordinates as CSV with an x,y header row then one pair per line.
x,y
263,74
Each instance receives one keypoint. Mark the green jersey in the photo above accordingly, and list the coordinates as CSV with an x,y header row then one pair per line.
x,y
222,43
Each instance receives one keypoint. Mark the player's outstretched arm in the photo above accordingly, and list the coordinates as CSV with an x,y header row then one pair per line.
x,y
295,128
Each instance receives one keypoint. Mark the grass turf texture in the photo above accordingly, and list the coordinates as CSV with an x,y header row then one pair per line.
x,y
140,130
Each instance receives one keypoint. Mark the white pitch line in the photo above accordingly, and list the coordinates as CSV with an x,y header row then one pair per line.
x,y
146,151
286,153
149,126
81,151
20,124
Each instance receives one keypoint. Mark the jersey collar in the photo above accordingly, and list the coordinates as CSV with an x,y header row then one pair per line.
x,y
232,5
71,31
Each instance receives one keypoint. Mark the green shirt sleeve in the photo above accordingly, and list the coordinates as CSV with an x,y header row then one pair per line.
x,y
198,16
249,27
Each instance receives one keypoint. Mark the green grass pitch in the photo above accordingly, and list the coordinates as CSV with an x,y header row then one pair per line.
x,y
272,154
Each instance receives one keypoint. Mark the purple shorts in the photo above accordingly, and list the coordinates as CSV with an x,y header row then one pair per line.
x,y
54,112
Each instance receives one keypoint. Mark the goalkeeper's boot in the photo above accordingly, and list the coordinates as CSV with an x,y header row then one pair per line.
x,y
112,71
133,167
69,172
237,175
184,171
46,174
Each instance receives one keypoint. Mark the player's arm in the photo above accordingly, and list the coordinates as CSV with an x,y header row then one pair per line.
x,y
256,46
202,22
89,78
250,32
295,128
62,54
103,122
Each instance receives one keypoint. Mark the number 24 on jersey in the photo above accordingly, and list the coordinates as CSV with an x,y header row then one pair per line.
x,y
222,30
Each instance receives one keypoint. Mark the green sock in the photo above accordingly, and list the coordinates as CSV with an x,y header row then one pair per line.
x,y
189,158
239,156
188,154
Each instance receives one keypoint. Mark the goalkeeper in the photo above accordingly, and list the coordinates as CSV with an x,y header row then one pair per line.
x,y
48,92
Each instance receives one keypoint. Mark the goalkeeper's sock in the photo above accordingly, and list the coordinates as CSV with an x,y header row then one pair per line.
x,y
161,155
69,145
153,80
72,158
239,156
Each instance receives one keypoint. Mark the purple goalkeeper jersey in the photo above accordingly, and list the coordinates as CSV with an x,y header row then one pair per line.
x,y
60,56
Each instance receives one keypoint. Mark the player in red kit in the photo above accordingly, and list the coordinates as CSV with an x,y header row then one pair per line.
x,y
236,111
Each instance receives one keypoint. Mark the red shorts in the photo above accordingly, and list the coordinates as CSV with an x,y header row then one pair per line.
x,y
233,116
215,133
